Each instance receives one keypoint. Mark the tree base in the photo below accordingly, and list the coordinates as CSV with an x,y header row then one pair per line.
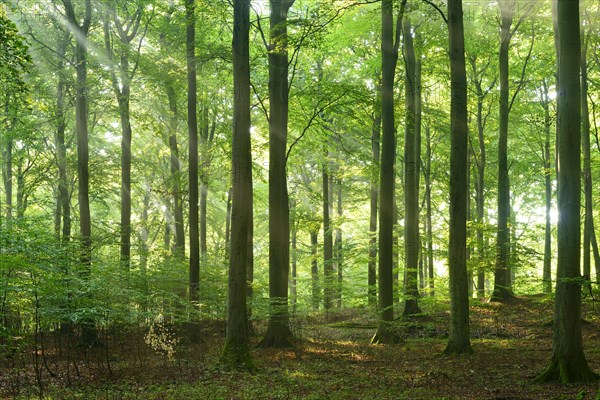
x,y
454,348
411,307
277,336
502,296
386,335
237,356
571,370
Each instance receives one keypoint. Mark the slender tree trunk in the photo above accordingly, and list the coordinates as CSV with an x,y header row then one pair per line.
x,y
568,362
429,218
547,270
294,256
502,290
588,224
175,165
192,123
228,221
411,183
458,338
389,51
121,82
481,161
63,204
206,137
278,331
339,256
327,236
374,193
236,352
596,254
396,253
7,174
88,335
314,270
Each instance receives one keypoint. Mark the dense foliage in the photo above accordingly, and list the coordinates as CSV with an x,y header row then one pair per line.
x,y
139,275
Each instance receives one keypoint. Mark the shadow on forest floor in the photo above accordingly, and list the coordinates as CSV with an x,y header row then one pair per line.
x,y
333,360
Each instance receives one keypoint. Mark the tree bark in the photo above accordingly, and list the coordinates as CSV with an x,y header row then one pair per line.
x,y
294,256
411,177
547,274
175,165
374,193
278,331
192,124
327,237
126,32
63,204
338,246
458,337
89,335
502,290
385,333
236,352
568,362
429,219
314,270
588,223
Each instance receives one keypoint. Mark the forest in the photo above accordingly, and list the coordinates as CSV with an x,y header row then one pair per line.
x,y
299,199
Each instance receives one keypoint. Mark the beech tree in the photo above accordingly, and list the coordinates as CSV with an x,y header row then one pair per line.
x,y
568,363
278,332
121,74
412,158
237,350
458,336
192,123
389,57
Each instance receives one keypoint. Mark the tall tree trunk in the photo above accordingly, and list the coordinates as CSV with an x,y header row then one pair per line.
x,y
588,224
389,58
458,337
314,270
502,290
327,236
88,332
339,255
278,331
294,256
7,175
568,362
192,123
481,161
236,352
374,193
411,182
121,82
596,254
547,275
228,222
175,166
206,136
429,219
63,204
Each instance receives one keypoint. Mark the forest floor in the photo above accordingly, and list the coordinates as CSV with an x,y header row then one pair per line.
x,y
333,360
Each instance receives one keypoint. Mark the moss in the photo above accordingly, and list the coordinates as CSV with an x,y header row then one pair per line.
x,y
386,334
567,371
237,356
